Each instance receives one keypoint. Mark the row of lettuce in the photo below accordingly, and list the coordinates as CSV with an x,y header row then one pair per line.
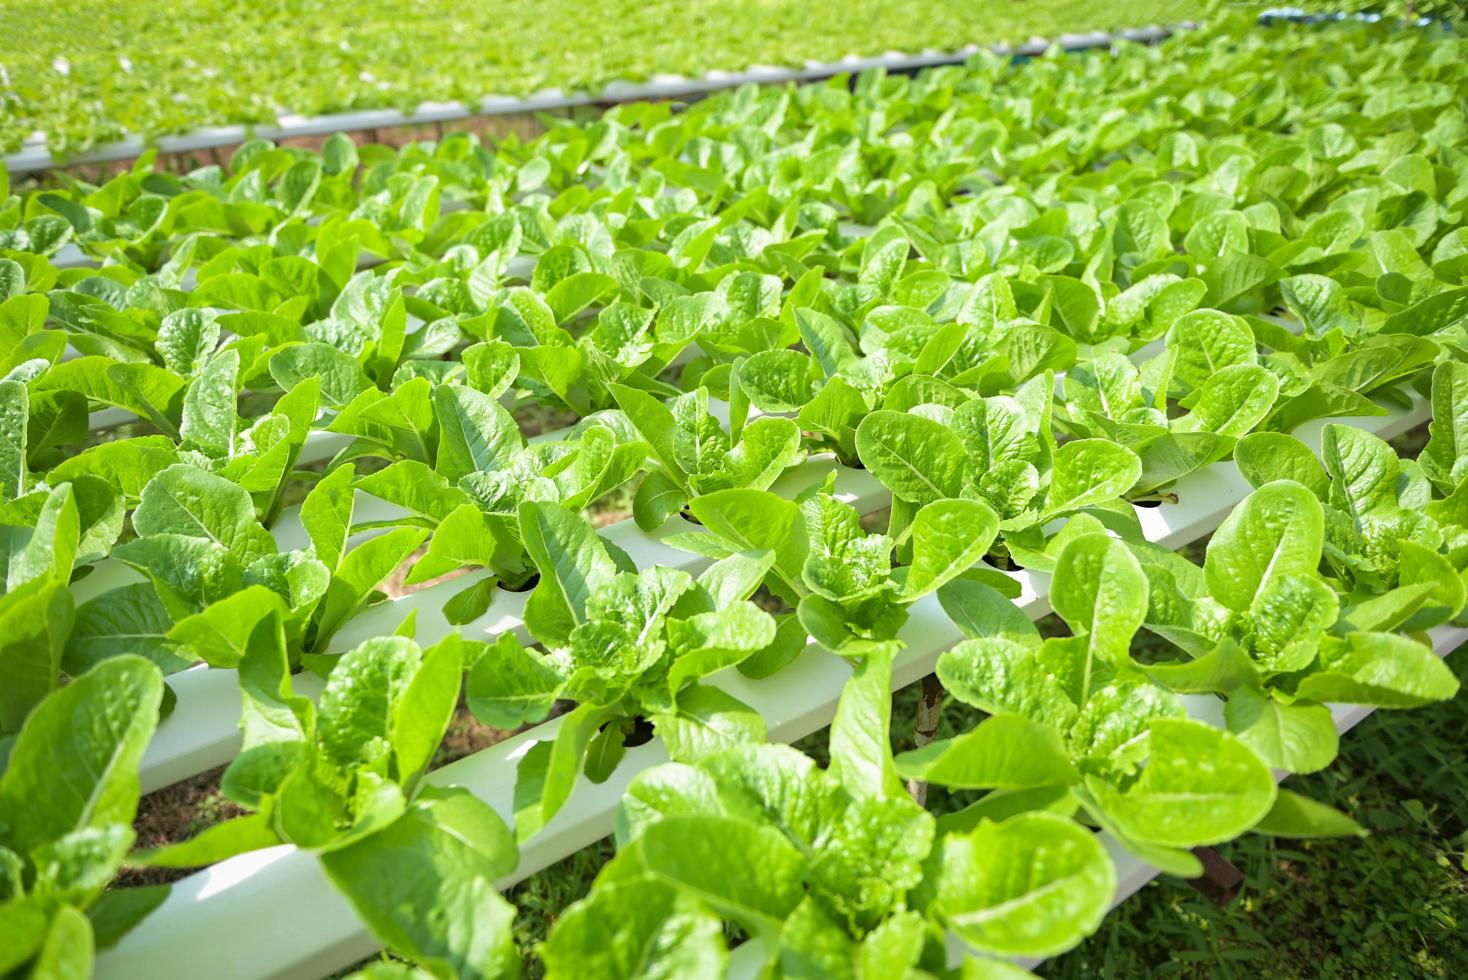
x,y
891,277
146,69
237,67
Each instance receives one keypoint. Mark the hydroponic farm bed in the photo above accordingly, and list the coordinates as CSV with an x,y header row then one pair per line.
x,y
35,154
70,92
848,385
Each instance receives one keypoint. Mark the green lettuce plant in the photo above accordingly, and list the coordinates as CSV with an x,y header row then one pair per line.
x,y
68,795
626,645
343,777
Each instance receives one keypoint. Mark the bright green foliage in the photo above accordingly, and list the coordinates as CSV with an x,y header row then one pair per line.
x,y
832,877
841,578
67,801
625,644
372,57
1077,712
344,777
1027,300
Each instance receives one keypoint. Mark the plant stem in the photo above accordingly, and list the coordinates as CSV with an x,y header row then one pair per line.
x,y
925,730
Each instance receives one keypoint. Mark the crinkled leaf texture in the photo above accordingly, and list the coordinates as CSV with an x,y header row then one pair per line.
x,y
442,857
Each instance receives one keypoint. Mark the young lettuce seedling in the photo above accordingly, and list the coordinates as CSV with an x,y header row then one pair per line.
x,y
627,343
68,795
1278,640
901,357
692,454
848,595
214,572
483,469
834,872
1110,397
624,644
344,777
1374,508
36,606
999,450
1076,723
